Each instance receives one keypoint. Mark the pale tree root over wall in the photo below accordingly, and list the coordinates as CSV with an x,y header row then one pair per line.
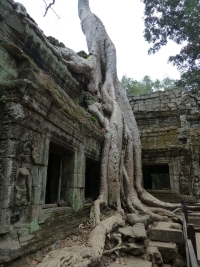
x,y
121,168
82,256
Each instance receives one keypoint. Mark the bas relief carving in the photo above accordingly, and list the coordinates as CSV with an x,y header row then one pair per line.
x,y
196,187
22,187
29,148
184,182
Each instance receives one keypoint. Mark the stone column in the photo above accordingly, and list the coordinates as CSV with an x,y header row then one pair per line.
x,y
174,176
76,180
8,170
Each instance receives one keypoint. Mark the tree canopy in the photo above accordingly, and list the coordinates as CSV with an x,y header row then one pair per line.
x,y
179,21
146,85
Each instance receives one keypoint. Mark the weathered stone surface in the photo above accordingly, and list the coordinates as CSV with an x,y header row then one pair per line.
x,y
39,107
133,263
127,232
24,236
176,226
132,240
141,217
154,255
9,247
163,232
168,250
39,116
139,231
169,131
133,248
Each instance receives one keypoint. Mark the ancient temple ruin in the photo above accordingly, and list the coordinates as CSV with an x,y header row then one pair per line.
x,y
50,146
170,137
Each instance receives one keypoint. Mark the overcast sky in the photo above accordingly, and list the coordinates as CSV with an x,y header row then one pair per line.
x,y
125,26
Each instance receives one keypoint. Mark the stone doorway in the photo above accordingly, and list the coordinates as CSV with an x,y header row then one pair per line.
x,y
92,179
59,172
156,177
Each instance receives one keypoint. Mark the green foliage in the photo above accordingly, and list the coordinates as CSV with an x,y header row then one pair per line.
x,y
133,87
146,85
177,20
76,101
93,118
3,99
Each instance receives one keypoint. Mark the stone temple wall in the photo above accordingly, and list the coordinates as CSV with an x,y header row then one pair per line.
x,y
169,124
46,139
50,145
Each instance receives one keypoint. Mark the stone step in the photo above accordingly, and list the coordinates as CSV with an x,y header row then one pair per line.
x,y
137,231
134,263
164,231
168,250
172,197
133,248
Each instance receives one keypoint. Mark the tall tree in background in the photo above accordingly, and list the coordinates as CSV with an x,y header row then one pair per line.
x,y
177,20
146,85
134,87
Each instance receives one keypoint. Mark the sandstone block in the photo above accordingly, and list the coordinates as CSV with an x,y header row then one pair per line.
x,y
141,217
9,247
133,248
136,263
139,231
167,250
163,232
127,232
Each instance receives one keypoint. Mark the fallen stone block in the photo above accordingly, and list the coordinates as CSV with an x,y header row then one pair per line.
x,y
164,232
176,226
132,240
24,236
133,248
10,247
138,263
127,232
154,255
139,231
168,250
141,217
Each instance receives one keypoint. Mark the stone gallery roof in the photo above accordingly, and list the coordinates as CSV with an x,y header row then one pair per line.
x,y
33,72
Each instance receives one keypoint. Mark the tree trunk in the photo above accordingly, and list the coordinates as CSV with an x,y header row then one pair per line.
x,y
121,168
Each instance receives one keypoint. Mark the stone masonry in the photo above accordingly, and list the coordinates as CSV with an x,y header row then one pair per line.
x,y
50,146
46,140
170,135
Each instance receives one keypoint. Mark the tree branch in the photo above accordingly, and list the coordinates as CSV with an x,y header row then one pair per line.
x,y
49,6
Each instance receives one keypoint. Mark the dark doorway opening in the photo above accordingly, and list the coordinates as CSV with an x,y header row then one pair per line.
x,y
92,179
156,177
60,159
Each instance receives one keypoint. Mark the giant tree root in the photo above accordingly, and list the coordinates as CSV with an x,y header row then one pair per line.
x,y
82,256
117,237
98,235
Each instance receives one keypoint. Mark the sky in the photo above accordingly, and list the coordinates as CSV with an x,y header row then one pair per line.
x,y
125,26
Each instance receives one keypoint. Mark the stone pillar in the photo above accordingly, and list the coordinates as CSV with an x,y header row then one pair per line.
x,y
8,170
174,176
76,179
